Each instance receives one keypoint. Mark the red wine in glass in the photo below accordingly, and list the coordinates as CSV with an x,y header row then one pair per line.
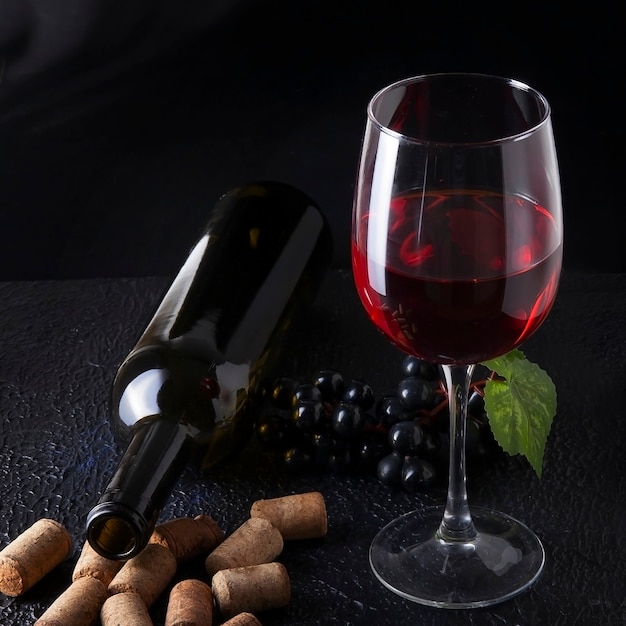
x,y
472,283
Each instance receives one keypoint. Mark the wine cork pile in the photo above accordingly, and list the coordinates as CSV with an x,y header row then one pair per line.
x,y
243,576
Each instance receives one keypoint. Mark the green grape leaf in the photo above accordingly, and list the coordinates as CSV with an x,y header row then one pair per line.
x,y
521,407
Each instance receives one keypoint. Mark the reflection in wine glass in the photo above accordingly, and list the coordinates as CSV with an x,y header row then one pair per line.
x,y
456,255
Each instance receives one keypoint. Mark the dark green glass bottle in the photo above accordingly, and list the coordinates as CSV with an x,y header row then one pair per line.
x,y
187,390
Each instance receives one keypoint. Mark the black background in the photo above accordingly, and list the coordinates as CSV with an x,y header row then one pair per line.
x,y
122,123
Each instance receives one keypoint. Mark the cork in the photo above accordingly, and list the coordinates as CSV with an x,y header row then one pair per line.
x,y
32,555
255,541
243,619
78,605
299,516
188,537
251,589
146,574
190,603
125,609
90,563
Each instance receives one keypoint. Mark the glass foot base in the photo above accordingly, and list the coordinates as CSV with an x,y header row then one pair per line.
x,y
504,559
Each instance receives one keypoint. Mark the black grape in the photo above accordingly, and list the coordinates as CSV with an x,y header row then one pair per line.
x,y
274,432
405,437
389,470
412,366
306,391
389,410
307,414
417,393
348,419
282,392
326,425
331,383
297,459
360,393
417,474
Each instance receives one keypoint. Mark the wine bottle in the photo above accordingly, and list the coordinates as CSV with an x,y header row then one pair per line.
x,y
188,389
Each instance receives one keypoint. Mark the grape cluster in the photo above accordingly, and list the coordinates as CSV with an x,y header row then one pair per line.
x,y
336,424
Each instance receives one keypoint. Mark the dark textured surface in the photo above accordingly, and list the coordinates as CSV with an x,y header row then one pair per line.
x,y
61,342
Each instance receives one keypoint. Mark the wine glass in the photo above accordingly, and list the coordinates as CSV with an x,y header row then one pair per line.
x,y
456,256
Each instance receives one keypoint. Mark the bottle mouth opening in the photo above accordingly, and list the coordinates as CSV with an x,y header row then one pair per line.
x,y
112,535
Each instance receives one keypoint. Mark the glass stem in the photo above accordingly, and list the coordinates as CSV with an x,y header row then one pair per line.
x,y
457,525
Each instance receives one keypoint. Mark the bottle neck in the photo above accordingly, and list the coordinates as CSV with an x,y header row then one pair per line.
x,y
121,524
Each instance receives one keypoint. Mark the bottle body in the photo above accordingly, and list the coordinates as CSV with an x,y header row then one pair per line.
x,y
188,388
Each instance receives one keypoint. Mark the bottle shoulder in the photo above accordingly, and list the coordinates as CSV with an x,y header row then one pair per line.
x,y
158,382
